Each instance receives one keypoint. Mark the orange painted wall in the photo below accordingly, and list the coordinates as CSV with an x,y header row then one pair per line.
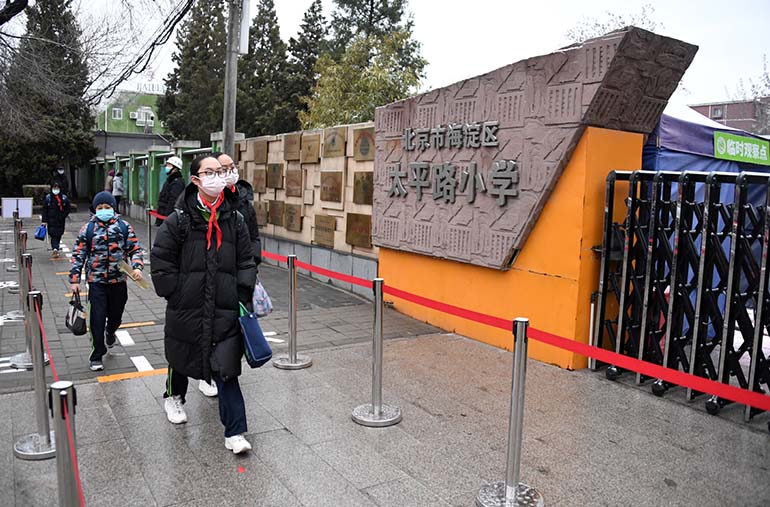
x,y
551,281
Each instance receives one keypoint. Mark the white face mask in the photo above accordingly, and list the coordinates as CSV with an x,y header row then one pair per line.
x,y
55,191
232,178
212,185
60,171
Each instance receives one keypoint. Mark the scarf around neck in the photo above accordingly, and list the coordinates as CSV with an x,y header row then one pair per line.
x,y
213,223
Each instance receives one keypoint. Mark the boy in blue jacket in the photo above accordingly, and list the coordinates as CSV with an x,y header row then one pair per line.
x,y
102,243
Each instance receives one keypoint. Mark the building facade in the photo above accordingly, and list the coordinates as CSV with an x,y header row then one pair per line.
x,y
748,115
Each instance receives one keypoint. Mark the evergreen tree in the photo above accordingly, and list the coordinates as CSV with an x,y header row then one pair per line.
x,y
44,87
374,19
264,95
192,105
304,52
368,75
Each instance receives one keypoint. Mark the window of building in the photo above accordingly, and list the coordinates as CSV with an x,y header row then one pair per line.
x,y
117,113
716,112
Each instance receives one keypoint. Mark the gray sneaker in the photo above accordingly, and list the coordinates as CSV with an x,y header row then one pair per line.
x,y
96,366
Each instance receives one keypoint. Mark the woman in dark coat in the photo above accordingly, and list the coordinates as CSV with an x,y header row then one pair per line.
x,y
56,209
203,265
172,188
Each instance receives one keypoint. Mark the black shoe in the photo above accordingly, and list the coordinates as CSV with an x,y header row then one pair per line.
x,y
109,339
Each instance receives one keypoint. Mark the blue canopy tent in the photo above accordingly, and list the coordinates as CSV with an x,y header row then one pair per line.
x,y
684,141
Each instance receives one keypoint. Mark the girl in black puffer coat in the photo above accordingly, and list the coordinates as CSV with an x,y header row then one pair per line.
x,y
203,264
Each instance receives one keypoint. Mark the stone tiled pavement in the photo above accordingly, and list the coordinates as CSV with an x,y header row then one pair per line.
x,y
586,441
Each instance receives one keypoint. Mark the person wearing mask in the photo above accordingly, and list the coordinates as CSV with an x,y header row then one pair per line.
x,y
117,190
203,265
60,179
56,208
172,188
102,243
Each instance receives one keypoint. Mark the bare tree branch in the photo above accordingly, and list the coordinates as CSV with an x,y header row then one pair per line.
x,y
11,9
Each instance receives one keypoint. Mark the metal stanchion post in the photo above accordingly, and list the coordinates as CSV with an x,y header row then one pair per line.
x,y
24,360
513,493
40,445
62,397
149,228
17,225
292,361
375,414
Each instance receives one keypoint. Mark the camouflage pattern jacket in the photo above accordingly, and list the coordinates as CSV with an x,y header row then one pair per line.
x,y
107,248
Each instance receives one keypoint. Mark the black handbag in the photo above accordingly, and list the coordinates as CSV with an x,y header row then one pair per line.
x,y
76,316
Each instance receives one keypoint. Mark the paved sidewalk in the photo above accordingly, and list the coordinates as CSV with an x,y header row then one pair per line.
x,y
586,441
326,316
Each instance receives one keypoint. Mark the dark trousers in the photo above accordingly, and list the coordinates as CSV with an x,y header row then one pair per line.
x,y
55,241
106,301
232,409
117,201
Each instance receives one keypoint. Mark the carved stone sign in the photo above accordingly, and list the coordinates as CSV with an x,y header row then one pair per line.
x,y
293,217
463,172
260,181
363,187
291,145
331,186
276,213
363,144
293,183
275,175
311,146
260,152
323,230
358,230
263,209
334,142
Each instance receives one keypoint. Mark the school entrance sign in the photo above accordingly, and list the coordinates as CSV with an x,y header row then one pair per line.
x,y
463,172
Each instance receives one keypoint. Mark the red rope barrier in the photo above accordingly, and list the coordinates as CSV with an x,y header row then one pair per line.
x,y
157,215
275,257
704,385
337,276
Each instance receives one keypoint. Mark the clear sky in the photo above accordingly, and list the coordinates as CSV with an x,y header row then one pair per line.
x,y
462,38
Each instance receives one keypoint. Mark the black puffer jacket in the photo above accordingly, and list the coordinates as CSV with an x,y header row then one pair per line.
x,y
203,287
172,189
246,207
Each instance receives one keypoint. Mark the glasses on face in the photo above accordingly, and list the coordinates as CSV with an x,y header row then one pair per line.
x,y
221,172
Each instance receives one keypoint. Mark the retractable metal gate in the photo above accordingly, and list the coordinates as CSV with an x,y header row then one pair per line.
x,y
683,278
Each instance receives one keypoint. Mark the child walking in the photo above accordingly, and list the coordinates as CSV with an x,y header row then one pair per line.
x,y
102,243
56,208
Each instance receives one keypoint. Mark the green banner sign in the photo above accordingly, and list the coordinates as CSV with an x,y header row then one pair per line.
x,y
741,149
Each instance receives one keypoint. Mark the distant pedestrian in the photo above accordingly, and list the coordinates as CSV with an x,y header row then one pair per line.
x,y
117,190
104,241
172,188
108,181
56,208
61,179
203,265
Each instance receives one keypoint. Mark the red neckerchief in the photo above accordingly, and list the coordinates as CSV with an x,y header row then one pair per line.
x,y
58,199
213,222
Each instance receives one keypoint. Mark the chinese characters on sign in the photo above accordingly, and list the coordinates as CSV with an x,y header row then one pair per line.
x,y
453,136
741,148
443,181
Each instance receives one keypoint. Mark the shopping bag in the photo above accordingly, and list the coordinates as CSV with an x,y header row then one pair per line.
x,y
261,301
41,232
76,316
254,343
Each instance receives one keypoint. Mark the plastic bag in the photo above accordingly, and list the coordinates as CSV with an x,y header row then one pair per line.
x,y
261,301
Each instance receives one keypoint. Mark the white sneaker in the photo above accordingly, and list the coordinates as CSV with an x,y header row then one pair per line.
x,y
237,444
207,389
174,410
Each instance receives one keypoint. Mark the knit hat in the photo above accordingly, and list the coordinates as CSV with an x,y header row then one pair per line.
x,y
104,197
